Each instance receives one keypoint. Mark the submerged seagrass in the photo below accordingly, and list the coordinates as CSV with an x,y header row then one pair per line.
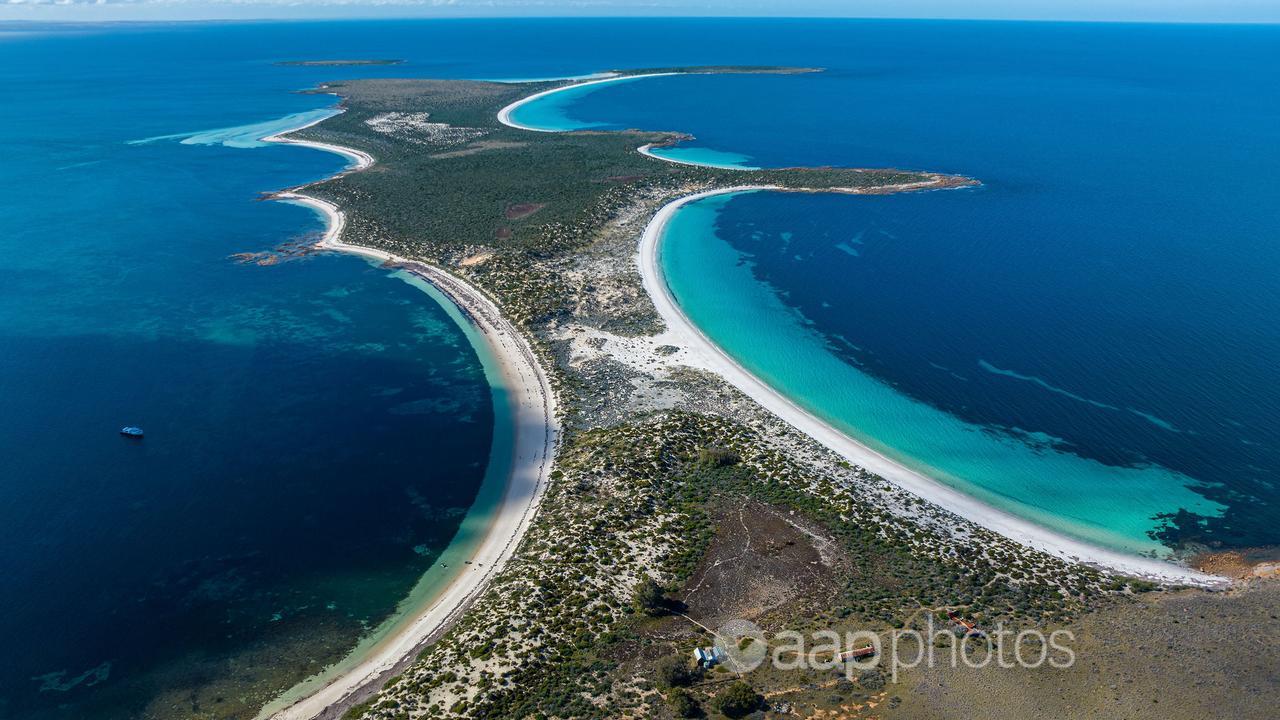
x,y
667,474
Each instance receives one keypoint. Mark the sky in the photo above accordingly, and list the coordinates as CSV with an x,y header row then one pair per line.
x,y
1094,10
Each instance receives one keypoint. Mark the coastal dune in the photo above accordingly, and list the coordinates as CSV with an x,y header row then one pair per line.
x,y
537,434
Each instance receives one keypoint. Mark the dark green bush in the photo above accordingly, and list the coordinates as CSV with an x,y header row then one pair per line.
x,y
683,705
738,700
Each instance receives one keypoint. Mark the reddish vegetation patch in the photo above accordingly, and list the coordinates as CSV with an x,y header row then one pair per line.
x,y
503,233
763,561
523,210
1241,564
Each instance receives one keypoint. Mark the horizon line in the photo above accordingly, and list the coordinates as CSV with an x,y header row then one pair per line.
x,y
615,16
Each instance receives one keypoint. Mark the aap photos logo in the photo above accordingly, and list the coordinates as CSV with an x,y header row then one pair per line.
x,y
742,645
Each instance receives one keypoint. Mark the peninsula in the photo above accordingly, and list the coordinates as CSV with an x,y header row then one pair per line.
x,y
662,493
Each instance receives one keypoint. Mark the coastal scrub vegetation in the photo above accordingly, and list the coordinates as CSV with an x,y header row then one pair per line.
x,y
738,699
649,597
448,175
674,502
559,633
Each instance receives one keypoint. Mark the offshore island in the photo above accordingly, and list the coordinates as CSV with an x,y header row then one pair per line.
x,y
658,490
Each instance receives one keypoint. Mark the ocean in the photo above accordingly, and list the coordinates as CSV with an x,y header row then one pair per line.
x,y
1098,319
1086,340
316,429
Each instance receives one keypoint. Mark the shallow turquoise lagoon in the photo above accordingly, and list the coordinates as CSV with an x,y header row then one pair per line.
x,y
1028,473
1087,339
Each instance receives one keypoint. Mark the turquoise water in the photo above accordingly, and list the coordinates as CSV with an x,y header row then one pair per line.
x,y
556,112
552,111
316,429
705,156
1087,339
244,136
1024,470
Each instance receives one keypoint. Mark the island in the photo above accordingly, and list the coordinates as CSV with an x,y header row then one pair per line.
x,y
338,63
660,501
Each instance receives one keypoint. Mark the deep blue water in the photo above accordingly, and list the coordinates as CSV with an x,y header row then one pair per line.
x,y
1110,294
315,428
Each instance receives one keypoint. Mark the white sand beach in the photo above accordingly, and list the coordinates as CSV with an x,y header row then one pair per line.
x,y
703,353
359,159
537,434
647,151
504,115
706,355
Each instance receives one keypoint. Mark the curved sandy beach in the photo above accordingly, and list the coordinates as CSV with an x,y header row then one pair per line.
x,y
647,151
504,115
359,161
708,356
537,432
